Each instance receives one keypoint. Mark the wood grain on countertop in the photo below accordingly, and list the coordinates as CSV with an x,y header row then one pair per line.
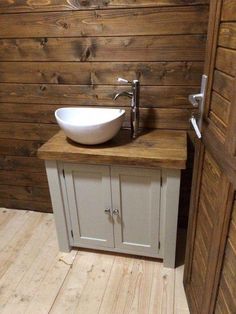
x,y
153,148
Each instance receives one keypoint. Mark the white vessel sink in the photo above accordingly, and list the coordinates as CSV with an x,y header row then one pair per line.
x,y
90,126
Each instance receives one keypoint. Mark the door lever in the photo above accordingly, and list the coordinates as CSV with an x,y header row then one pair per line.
x,y
195,126
198,100
195,99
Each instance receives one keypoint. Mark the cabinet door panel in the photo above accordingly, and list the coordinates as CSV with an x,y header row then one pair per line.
x,y
136,194
89,194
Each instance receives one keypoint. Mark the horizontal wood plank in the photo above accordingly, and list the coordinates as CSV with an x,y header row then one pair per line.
x,y
23,178
221,107
26,148
225,60
27,131
218,123
223,84
163,118
227,36
228,10
88,95
33,113
19,163
101,73
118,22
140,48
14,6
27,193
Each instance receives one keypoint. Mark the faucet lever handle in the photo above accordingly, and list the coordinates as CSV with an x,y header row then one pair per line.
x,y
121,80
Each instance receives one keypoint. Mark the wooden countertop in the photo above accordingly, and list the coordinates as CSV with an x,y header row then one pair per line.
x,y
153,148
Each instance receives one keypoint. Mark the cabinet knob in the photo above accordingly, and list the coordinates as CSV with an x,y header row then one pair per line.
x,y
116,212
108,211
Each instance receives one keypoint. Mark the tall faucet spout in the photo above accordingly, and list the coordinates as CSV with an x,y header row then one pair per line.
x,y
134,95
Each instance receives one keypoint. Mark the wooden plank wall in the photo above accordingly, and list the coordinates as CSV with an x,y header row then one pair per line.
x,y
224,76
62,53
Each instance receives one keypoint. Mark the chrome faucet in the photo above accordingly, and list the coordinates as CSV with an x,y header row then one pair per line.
x,y
134,95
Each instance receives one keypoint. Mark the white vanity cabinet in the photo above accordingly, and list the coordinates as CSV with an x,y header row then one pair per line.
x,y
122,196
122,209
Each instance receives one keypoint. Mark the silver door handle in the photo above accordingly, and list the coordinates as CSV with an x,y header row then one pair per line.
x,y
108,211
196,99
195,126
116,212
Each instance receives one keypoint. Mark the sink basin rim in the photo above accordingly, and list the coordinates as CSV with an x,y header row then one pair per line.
x,y
120,112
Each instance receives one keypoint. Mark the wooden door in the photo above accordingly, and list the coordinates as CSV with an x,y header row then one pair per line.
x,y
89,197
136,201
226,292
214,180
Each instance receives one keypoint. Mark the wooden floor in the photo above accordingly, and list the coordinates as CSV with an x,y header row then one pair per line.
x,y
36,278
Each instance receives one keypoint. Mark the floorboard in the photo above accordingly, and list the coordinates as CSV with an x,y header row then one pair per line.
x,y
11,248
36,278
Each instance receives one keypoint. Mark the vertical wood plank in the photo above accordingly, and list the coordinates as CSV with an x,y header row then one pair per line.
x,y
13,246
51,284
28,253
29,286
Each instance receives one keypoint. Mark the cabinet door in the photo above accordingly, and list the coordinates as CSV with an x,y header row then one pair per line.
x,y
89,195
136,203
